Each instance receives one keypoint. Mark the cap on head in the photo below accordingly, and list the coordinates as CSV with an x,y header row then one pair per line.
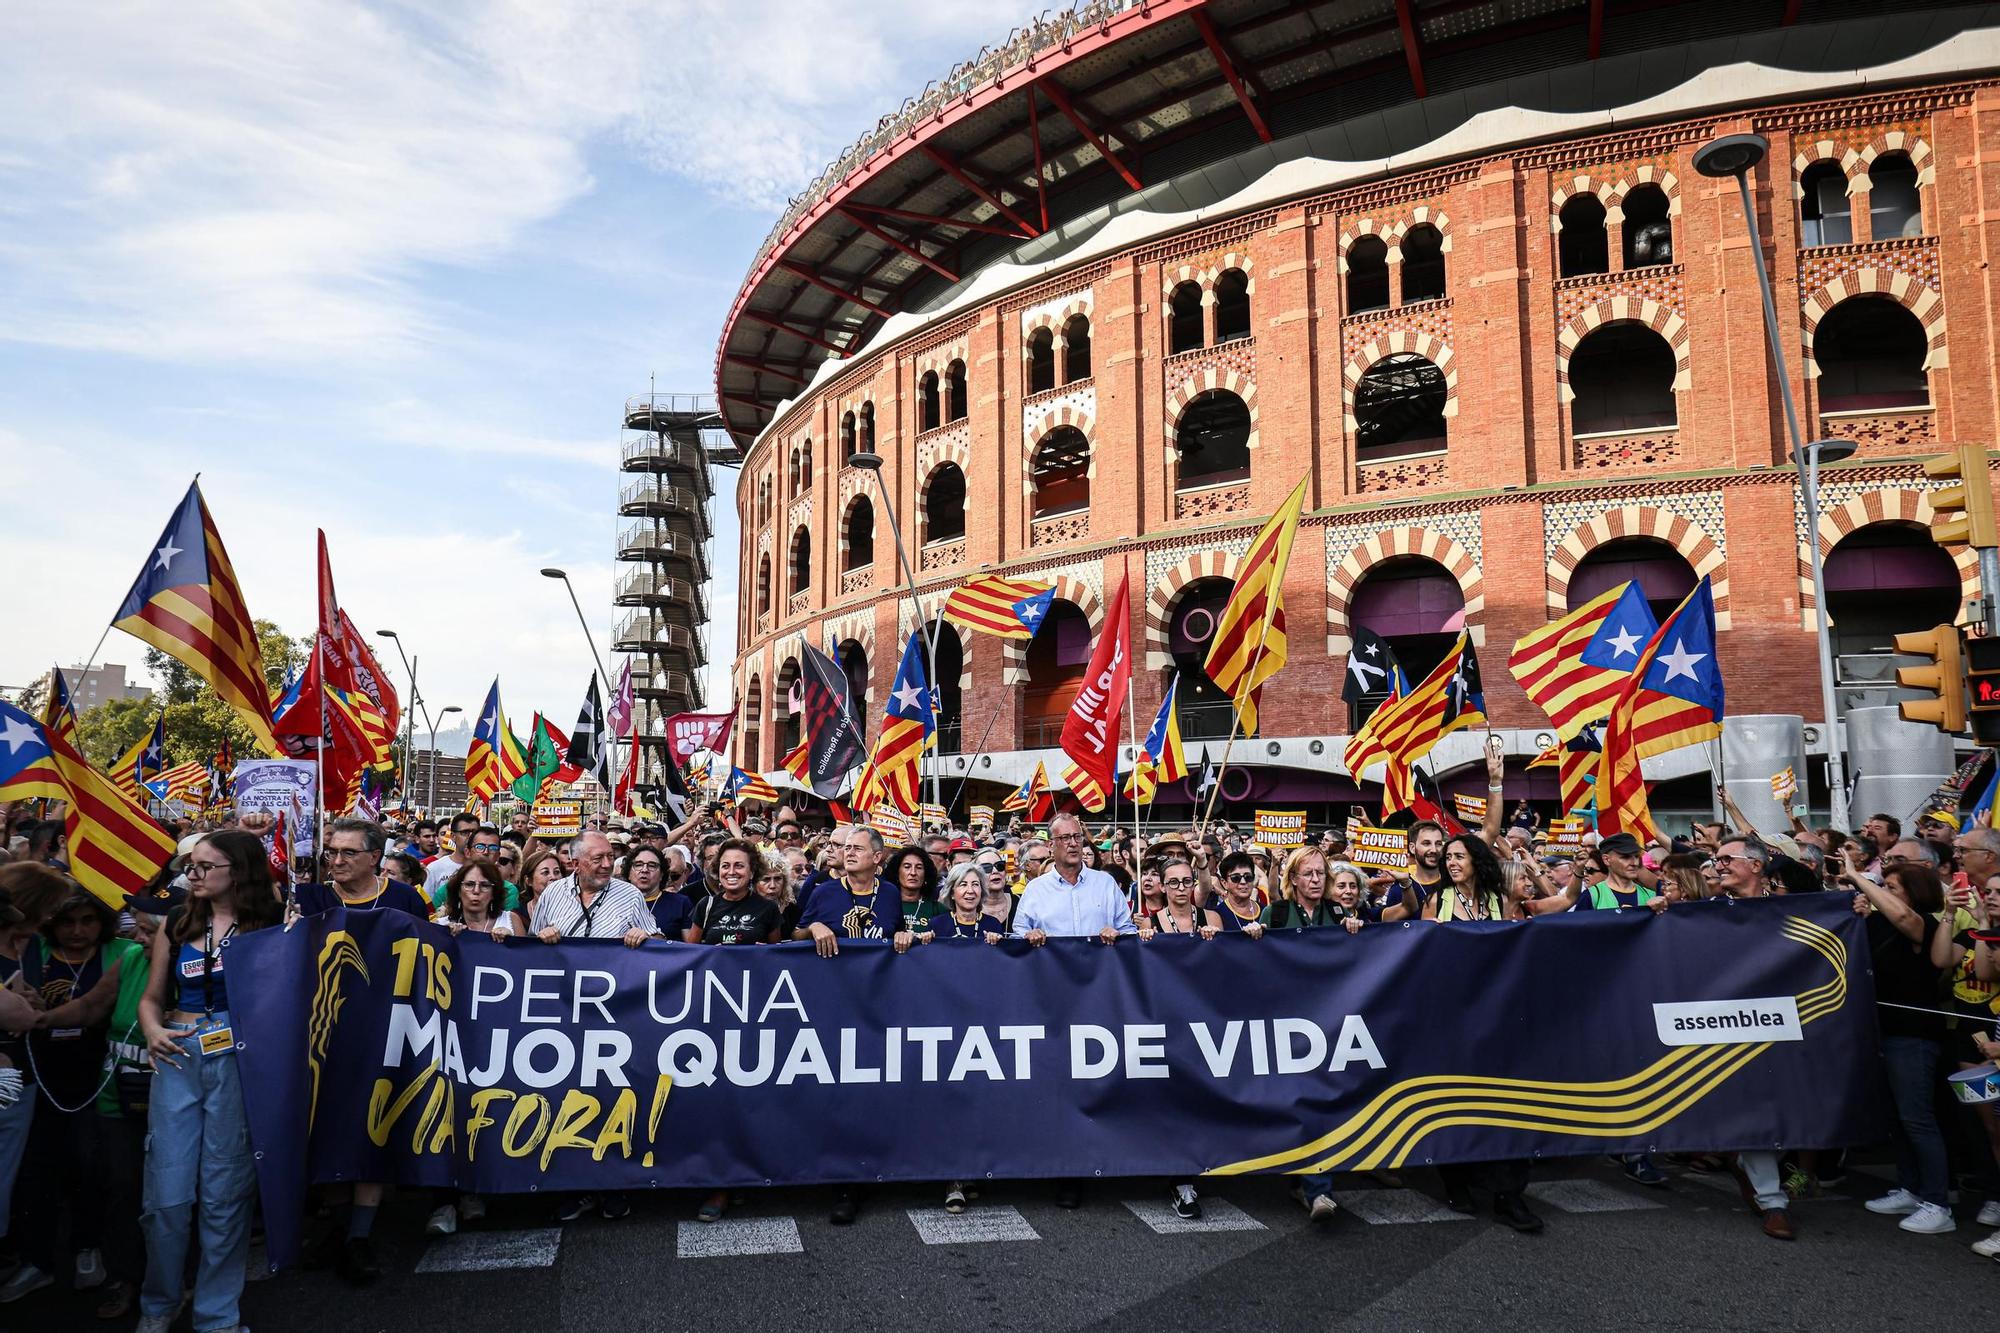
x,y
1621,844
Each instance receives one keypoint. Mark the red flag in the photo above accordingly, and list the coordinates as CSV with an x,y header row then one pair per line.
x,y
369,676
621,794
336,666
689,732
568,772
1090,733
278,849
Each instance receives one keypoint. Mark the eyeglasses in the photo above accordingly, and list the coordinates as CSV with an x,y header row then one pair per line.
x,y
338,853
488,848
1723,858
1178,882
1066,837
200,869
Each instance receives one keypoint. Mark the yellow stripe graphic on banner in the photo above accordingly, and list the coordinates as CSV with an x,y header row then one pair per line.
x,y
1387,1130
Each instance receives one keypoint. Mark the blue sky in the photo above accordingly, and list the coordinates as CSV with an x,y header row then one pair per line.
x,y
392,270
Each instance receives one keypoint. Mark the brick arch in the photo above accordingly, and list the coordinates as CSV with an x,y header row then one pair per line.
x,y
1391,343
1869,510
858,626
1701,551
1393,230
1204,272
1206,380
1573,187
753,719
1648,174
1063,414
1918,297
791,581
847,517
1663,321
1827,150
1054,320
1161,597
1387,544
1014,652
1899,141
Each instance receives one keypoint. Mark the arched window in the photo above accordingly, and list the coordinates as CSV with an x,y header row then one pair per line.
x,y
928,415
1232,306
1884,580
944,505
1399,409
1581,245
753,725
1056,659
1203,710
1423,264
1213,440
1663,574
1367,275
1076,349
954,383
847,436
764,584
1893,209
1622,376
1825,213
802,565
950,702
1060,473
1870,351
1041,361
806,466
868,426
1416,606
1184,331
781,703
853,660
858,545
792,470
1649,232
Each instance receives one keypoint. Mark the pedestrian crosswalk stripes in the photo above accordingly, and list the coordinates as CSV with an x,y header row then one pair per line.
x,y
486,1251
1589,1196
935,1226
733,1237
1216,1215
1394,1207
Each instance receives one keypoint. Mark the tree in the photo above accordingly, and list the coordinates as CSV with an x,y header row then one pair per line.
x,y
110,729
197,720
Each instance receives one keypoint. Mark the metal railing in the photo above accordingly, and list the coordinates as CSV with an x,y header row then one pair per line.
x,y
665,543
662,449
653,493
962,81
1210,720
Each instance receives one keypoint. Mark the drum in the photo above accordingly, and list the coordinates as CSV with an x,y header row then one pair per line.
x,y
1978,1085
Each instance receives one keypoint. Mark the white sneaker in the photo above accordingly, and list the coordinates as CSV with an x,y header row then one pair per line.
x,y
1989,1213
89,1270
26,1278
1930,1219
1323,1208
471,1208
1990,1247
444,1221
1896,1203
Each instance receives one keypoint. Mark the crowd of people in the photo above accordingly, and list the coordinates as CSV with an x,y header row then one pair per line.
x,y
125,1167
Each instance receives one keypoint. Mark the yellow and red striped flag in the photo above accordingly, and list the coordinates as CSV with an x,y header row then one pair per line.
x,y
143,761
1574,667
482,757
907,723
1249,644
186,603
114,846
1408,727
991,604
798,760
59,713
187,783
1032,795
1656,712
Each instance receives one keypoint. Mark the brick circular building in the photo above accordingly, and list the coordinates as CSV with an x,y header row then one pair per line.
x,y
1101,298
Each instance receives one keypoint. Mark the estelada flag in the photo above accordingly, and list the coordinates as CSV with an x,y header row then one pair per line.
x,y
1090,732
990,604
1574,667
186,603
115,847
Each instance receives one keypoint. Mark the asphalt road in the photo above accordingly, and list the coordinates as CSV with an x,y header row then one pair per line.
x,y
1615,1255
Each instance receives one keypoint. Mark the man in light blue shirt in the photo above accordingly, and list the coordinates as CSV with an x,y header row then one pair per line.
x,y
1070,898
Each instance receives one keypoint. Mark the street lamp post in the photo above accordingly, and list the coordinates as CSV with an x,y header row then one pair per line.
x,y
410,711
871,463
430,801
1737,155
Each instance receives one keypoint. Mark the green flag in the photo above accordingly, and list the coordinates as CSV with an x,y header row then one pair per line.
x,y
543,761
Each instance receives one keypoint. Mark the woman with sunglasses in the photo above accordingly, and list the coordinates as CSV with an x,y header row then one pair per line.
x,y
650,873
996,895
1239,909
198,1144
1178,914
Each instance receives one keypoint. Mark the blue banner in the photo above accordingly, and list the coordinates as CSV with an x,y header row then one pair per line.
x,y
381,1048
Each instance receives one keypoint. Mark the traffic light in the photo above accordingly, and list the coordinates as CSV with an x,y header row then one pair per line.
x,y
1963,514
1982,686
1945,677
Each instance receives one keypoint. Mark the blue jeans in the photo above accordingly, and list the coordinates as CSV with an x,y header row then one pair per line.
x,y
198,1146
1761,1170
15,1121
1912,1064
1314,1186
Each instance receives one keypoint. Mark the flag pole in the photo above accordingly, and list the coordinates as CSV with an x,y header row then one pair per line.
x,y
319,754
1235,728
1132,736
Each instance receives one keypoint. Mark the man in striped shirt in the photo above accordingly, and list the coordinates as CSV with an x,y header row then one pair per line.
x,y
592,904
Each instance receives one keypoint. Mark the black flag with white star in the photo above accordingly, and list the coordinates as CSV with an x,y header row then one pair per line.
x,y
587,748
1371,668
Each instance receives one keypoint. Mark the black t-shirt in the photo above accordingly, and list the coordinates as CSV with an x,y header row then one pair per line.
x,y
749,921
1904,975
672,913
1232,922
69,1061
395,896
